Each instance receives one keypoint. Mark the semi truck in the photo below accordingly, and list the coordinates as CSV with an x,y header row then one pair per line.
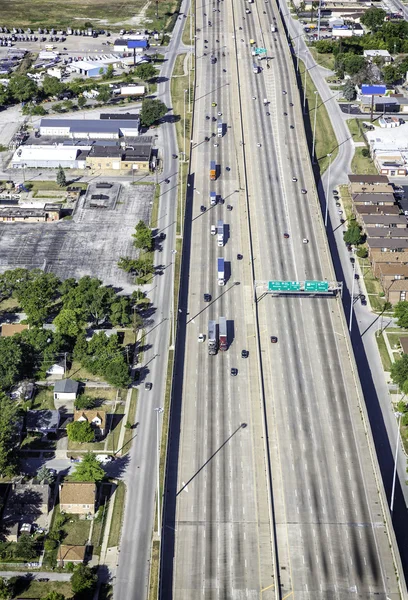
x,y
221,271
212,338
213,198
223,334
220,233
213,171
220,129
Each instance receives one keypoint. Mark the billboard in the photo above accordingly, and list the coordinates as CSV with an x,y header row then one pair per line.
x,y
137,44
373,90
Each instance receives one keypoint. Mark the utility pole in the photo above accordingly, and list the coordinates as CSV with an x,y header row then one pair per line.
x,y
158,410
327,192
314,129
304,91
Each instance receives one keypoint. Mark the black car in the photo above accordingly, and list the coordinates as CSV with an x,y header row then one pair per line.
x,y
229,207
356,276
175,156
207,297
234,372
352,260
162,236
148,385
274,339
202,208
244,354
239,256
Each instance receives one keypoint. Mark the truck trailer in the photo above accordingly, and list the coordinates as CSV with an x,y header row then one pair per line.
x,y
223,334
220,233
213,198
220,129
221,271
213,171
212,338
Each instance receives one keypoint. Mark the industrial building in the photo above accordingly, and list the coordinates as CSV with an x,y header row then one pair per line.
x,y
389,150
50,212
34,157
88,69
90,128
134,157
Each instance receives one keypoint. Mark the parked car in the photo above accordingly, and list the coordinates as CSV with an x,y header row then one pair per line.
x,y
148,385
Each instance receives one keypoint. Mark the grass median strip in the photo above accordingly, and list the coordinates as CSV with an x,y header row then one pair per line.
x,y
385,357
117,515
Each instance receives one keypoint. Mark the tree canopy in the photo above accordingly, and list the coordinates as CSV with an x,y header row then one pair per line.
x,y
8,435
353,234
80,431
152,111
399,371
142,237
373,18
22,88
89,469
401,313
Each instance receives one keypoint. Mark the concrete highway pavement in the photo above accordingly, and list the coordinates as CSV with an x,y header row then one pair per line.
x,y
133,569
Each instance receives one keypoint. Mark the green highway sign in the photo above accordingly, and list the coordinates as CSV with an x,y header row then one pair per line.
x,y
260,50
283,286
316,286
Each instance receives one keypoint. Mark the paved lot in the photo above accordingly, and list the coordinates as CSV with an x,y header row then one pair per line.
x,y
89,244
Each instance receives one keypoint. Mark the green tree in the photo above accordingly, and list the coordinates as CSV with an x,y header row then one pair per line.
x,y
88,25
399,371
53,595
325,46
127,264
26,547
52,86
104,94
373,18
10,361
91,298
353,63
401,313
362,252
145,71
117,373
61,179
69,322
83,402
36,295
89,469
142,237
349,90
57,107
5,592
22,88
10,280
353,234
80,431
109,72
152,111
45,475
390,74
4,95
81,102
68,105
144,265
83,581
120,311
8,435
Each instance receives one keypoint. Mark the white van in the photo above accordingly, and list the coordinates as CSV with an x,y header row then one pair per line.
x,y
213,230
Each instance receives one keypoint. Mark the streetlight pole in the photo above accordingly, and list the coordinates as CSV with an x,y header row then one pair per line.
x,y
185,92
173,335
158,410
314,129
327,193
398,415
352,293
298,52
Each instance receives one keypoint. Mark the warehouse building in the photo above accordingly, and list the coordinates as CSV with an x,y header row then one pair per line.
x,y
50,212
134,157
88,69
69,157
90,128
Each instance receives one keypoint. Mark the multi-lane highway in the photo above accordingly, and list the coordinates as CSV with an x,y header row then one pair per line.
x,y
276,488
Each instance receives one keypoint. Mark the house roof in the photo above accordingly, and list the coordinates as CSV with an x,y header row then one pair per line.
x,y
9,329
90,415
399,258
371,179
387,232
390,269
120,116
398,285
391,244
374,198
42,419
77,493
385,220
371,188
404,343
377,209
71,553
66,386
27,498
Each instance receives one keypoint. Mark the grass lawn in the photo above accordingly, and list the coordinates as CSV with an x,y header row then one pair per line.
x,y
186,33
34,442
101,393
154,571
163,20
117,516
43,399
128,337
129,433
100,520
346,201
155,207
77,531
115,425
356,129
178,85
41,13
39,589
324,60
51,185
81,374
91,446
325,142
394,340
10,304
361,164
385,357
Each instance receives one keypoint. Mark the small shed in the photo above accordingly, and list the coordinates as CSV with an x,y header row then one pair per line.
x,y
73,554
66,389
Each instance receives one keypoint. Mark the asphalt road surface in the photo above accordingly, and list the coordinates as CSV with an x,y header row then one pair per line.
x,y
324,536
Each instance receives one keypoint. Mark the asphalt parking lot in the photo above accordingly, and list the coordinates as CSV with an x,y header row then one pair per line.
x,y
89,244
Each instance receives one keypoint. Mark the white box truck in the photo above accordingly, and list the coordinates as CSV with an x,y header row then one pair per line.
x,y
221,271
213,198
220,233
220,129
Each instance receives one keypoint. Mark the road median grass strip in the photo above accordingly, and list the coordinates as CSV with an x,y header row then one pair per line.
x,y
385,357
117,515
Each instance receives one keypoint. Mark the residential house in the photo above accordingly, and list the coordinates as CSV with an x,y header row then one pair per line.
x,y
388,258
27,503
71,554
97,418
56,370
375,209
364,178
24,390
77,498
370,188
389,246
387,232
386,221
383,54
10,329
42,421
375,199
397,291
66,389
390,276
404,343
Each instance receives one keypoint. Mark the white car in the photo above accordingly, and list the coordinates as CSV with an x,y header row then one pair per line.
x,y
305,241
201,337
213,230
